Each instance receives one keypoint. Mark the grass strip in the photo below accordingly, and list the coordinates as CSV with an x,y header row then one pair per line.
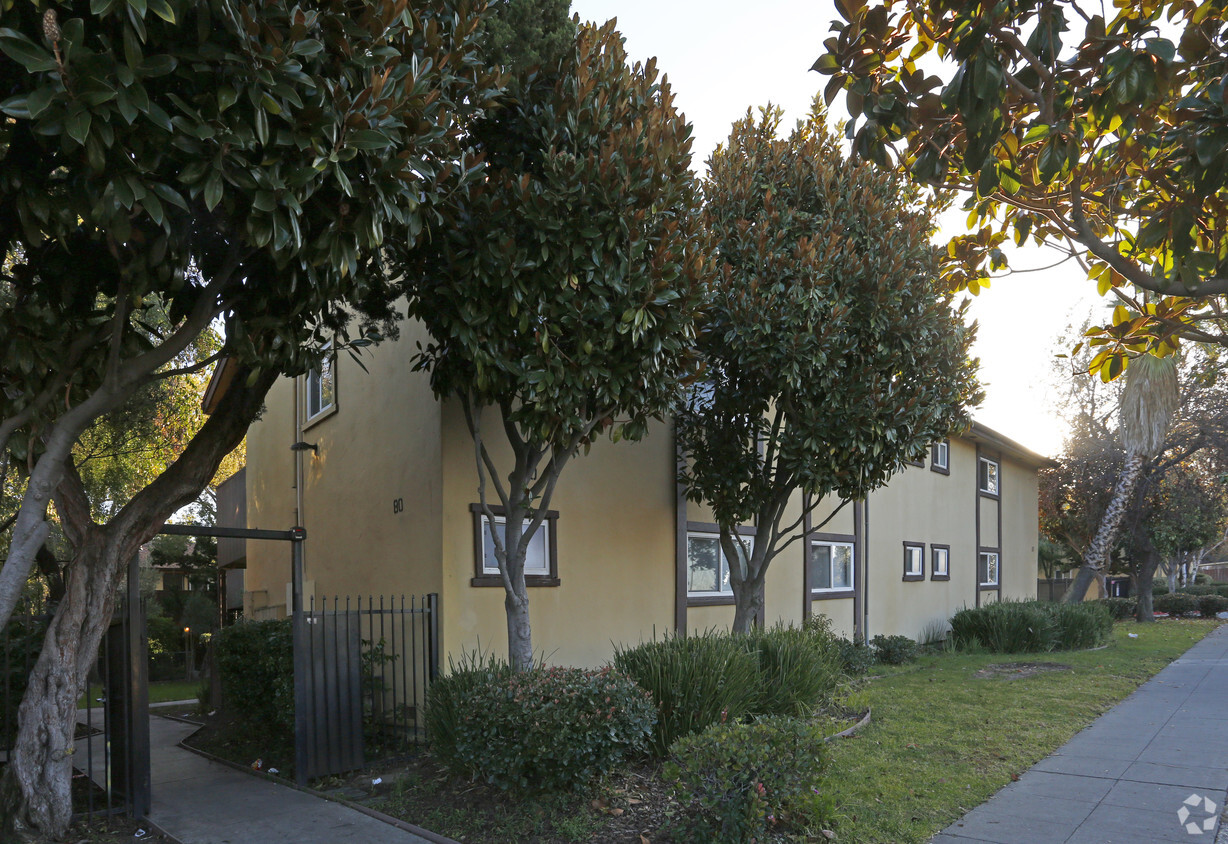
x,y
943,740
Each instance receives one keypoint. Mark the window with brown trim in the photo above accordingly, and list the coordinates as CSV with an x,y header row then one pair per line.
x,y
989,474
707,566
989,568
940,562
914,561
320,387
831,567
541,562
940,457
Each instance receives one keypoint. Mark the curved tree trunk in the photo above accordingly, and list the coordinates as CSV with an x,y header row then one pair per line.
x,y
35,789
1110,526
519,631
747,605
39,774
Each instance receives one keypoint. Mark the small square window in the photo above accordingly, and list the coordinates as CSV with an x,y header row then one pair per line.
x,y
831,566
989,563
914,561
940,457
537,553
321,387
989,473
940,562
541,567
707,565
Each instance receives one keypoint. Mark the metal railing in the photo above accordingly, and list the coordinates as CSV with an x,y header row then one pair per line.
x,y
365,666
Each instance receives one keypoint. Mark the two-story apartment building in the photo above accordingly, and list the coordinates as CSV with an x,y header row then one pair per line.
x,y
382,475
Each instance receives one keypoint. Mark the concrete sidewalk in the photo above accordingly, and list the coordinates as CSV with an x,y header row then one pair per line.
x,y
1128,775
202,802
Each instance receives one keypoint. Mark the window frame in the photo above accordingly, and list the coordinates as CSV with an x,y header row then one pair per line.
x,y
482,576
315,375
821,593
943,467
982,569
982,463
946,550
919,547
712,532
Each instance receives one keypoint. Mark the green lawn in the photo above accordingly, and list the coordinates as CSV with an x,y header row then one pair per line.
x,y
160,692
942,741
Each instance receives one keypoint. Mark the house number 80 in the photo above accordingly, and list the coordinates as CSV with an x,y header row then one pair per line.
x,y
398,505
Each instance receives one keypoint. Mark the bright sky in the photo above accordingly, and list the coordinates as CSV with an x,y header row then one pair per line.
x,y
723,57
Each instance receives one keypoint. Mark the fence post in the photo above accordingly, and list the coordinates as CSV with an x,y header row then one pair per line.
x,y
301,668
432,603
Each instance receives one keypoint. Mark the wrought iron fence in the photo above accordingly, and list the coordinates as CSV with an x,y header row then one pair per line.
x,y
364,667
110,759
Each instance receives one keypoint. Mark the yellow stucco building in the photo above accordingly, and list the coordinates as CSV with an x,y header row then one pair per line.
x,y
387,496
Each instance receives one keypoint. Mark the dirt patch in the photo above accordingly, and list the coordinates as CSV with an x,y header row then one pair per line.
x,y
1019,670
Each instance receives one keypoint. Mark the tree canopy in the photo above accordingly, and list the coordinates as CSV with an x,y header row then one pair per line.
x,y
563,296
832,350
1102,134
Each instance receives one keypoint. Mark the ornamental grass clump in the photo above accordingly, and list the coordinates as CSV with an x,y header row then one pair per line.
x,y
1032,626
695,681
798,669
738,783
540,731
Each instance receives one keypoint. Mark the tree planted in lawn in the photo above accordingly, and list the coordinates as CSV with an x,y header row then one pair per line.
x,y
1097,132
164,164
832,350
561,302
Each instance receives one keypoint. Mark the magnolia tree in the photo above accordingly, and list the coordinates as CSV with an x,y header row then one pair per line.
x,y
832,350
1096,130
164,165
561,303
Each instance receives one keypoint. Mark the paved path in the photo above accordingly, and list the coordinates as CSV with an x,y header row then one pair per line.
x,y
1124,778
202,802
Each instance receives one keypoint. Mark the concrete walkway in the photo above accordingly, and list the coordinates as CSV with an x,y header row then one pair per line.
x,y
202,802
1126,777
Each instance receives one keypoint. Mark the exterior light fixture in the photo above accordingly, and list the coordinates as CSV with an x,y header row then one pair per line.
x,y
303,446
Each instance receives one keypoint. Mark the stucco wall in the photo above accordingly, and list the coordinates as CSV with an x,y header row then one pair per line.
x,y
615,549
371,495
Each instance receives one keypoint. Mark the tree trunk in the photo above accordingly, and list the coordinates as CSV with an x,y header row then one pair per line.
x,y
39,775
748,604
1110,525
1145,569
519,632
35,785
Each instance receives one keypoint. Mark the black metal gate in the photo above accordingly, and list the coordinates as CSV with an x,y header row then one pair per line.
x,y
361,670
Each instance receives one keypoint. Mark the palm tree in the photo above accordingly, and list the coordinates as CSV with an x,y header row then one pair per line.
x,y
1147,404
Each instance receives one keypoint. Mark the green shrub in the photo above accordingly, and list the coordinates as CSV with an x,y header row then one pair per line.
x,y
738,782
856,657
21,641
449,699
695,681
895,650
798,669
1175,603
255,661
1080,626
1209,605
1159,587
1199,589
1032,626
1121,608
1221,589
539,731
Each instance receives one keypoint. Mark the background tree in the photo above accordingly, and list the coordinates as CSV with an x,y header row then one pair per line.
x,y
163,165
1100,135
561,302
520,34
1148,400
832,351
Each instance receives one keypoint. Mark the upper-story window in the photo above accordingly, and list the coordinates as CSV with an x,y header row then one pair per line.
x,y
940,456
322,385
914,561
989,476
